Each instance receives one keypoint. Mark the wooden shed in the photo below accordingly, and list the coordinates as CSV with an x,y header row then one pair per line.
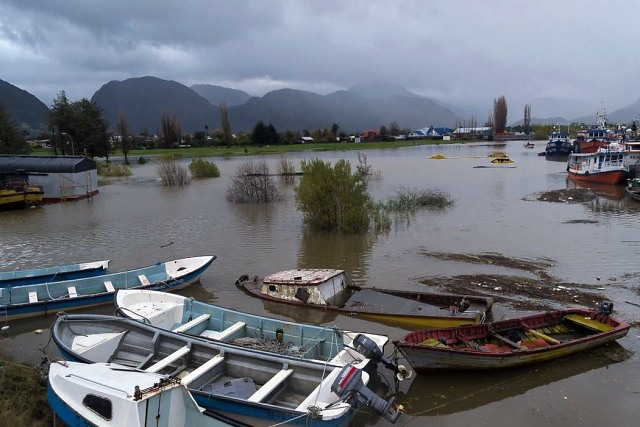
x,y
63,178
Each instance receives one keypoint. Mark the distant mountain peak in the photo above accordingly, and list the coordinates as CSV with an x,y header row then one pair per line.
x,y
380,89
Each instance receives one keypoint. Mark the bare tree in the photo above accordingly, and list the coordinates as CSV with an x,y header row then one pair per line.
x,y
226,127
500,114
171,131
286,170
527,118
252,183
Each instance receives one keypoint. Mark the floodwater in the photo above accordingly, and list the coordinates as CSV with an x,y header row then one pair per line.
x,y
136,222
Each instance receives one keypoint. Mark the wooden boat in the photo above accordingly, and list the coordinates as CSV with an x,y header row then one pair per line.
x,y
53,274
512,342
333,290
633,192
43,298
605,166
529,145
19,194
595,138
187,316
249,385
105,395
502,160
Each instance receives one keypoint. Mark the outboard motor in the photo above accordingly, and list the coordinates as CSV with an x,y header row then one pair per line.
x,y
369,349
606,308
349,384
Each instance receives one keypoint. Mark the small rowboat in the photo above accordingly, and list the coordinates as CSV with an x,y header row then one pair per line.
x,y
512,342
53,274
43,298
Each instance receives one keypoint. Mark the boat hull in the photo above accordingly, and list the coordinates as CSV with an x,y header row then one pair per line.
x,y
473,348
45,298
610,178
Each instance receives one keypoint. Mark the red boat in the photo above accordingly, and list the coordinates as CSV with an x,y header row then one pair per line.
x,y
512,342
605,166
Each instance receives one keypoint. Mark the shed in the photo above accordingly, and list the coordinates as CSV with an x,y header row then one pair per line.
x,y
62,178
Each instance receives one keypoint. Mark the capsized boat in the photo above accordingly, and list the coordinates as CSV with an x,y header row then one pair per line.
x,y
249,385
333,290
43,298
606,166
513,342
53,274
107,394
185,315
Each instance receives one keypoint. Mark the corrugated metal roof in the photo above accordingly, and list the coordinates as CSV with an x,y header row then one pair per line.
x,y
45,164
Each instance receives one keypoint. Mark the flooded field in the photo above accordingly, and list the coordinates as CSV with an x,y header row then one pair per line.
x,y
520,232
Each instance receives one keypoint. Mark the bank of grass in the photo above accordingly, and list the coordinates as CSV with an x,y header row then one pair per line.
x,y
23,395
251,150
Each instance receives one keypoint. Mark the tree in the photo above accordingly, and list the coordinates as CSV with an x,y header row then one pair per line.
x,y
252,183
333,198
334,130
500,114
226,127
527,118
394,129
123,130
60,115
171,131
11,139
259,134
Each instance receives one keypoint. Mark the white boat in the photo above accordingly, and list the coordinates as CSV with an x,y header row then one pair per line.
x,y
252,386
53,274
108,395
185,315
43,298
605,166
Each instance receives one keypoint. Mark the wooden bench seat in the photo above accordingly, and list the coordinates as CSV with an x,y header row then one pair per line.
x,y
224,334
270,386
169,359
202,369
192,323
72,292
33,296
143,280
109,286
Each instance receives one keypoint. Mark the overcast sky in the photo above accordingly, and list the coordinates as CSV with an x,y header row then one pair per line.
x,y
463,52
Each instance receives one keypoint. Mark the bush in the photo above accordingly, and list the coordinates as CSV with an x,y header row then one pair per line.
x,y
252,183
171,173
286,170
333,198
113,169
201,168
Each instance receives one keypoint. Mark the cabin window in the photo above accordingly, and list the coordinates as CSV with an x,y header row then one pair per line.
x,y
99,405
272,288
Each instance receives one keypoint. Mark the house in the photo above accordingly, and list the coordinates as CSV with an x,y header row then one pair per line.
x,y
483,132
430,133
305,140
63,178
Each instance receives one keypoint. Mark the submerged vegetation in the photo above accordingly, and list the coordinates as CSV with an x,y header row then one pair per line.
x,y
201,168
172,173
110,169
252,183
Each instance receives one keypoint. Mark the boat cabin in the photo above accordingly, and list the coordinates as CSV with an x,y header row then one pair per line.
x,y
313,286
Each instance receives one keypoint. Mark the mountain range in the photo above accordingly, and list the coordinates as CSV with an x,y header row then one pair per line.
x,y
362,107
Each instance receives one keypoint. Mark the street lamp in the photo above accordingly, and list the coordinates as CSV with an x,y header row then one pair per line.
x,y
73,151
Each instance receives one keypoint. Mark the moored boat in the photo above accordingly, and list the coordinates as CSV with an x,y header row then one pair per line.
x,y
333,290
53,274
633,192
43,298
606,166
512,342
18,193
185,315
559,145
248,385
595,138
107,394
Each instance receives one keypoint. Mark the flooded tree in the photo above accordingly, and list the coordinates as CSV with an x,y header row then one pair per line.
x,y
333,198
252,183
172,173
500,114
286,170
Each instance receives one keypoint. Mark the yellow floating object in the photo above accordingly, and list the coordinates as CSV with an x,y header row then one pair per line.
x,y
438,156
498,154
502,160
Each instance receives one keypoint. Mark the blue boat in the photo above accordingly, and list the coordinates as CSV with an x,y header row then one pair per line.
x,y
108,395
185,315
44,298
248,385
53,274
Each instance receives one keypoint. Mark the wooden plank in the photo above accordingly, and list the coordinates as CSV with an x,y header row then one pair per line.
x,y
592,325
545,337
169,359
222,335
109,286
270,385
504,340
202,369
192,323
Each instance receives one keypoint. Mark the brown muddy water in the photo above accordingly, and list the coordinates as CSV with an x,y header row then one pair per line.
x,y
136,221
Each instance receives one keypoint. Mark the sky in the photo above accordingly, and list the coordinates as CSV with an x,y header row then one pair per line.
x,y
583,52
